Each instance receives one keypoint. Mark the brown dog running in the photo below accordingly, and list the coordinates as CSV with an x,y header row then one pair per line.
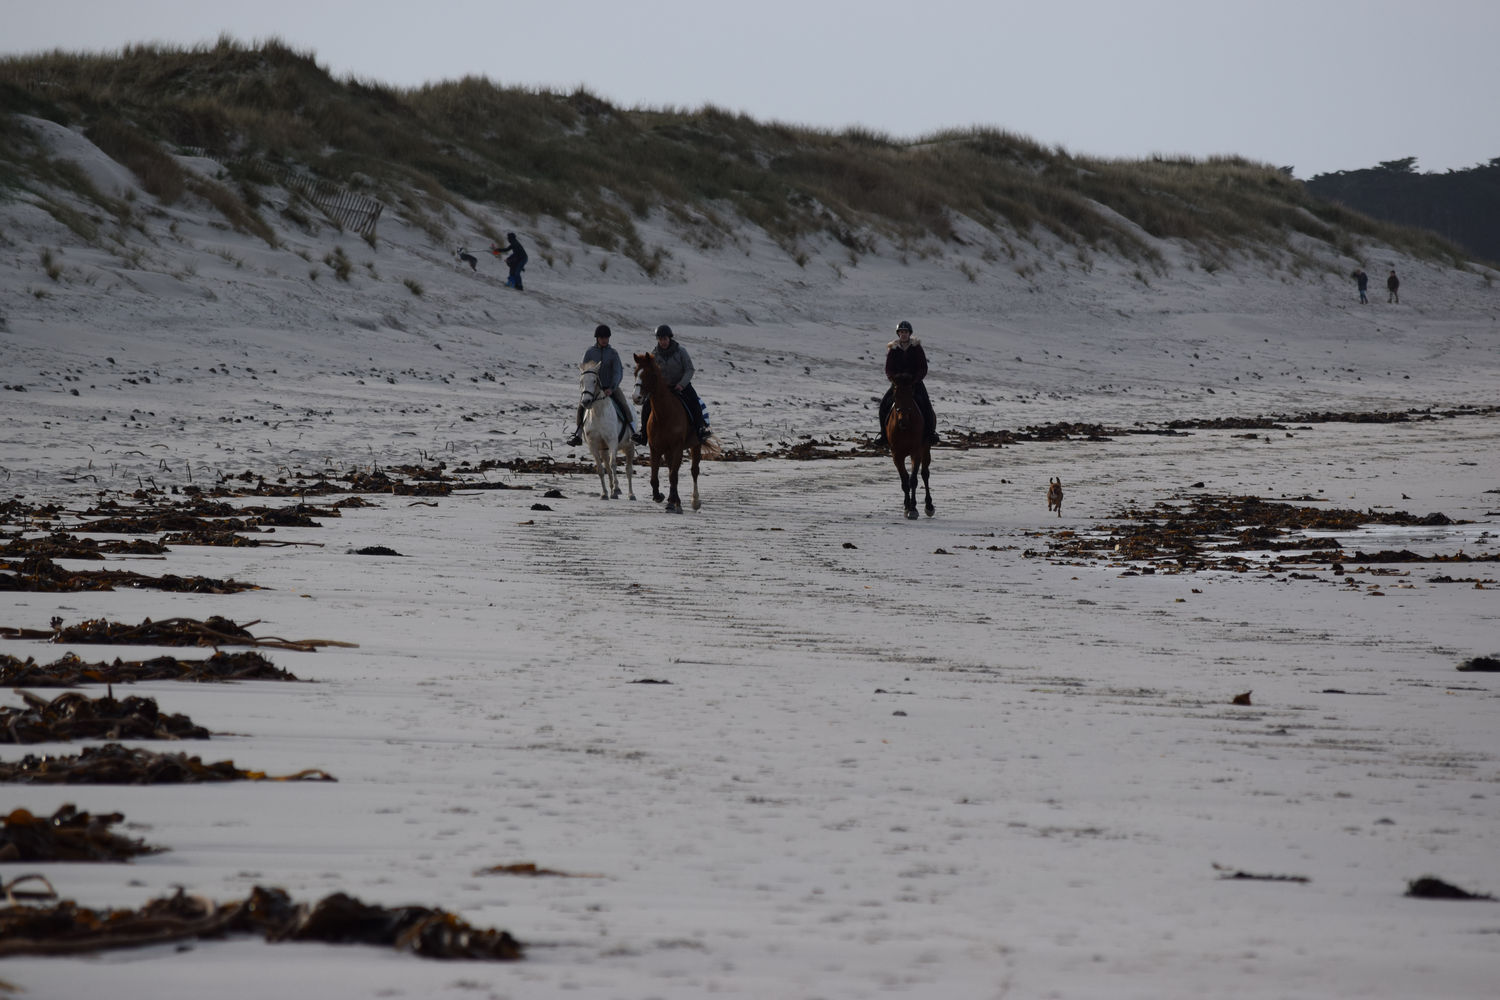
x,y
1054,495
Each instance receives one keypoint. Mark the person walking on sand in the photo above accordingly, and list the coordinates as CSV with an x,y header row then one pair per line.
x,y
1363,281
1393,283
515,260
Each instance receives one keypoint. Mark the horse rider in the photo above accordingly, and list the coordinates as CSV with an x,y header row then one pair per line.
x,y
677,371
611,372
904,356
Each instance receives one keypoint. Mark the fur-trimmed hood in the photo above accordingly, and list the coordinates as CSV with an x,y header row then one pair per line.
x,y
896,344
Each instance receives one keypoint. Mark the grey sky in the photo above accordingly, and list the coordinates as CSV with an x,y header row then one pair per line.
x,y
1315,84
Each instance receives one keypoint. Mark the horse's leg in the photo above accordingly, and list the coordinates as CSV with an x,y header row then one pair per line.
x,y
599,467
596,449
610,447
674,502
697,449
599,453
927,486
656,458
911,493
630,467
906,487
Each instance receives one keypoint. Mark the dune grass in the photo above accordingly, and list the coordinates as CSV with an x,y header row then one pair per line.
x,y
600,169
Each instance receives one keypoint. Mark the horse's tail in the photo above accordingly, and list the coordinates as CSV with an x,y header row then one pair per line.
x,y
711,449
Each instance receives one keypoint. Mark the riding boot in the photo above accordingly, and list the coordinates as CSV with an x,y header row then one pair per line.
x,y
577,438
640,435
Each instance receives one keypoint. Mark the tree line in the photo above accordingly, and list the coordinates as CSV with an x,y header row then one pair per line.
x,y
1461,205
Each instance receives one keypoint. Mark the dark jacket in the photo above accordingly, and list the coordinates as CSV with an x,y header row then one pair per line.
x,y
1392,282
516,254
910,360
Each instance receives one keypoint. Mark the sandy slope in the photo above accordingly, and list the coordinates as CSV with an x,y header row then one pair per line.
x,y
893,758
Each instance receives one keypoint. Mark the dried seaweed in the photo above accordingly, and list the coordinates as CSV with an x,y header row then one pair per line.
x,y
1203,532
70,671
1236,875
213,631
114,764
65,928
73,716
1428,887
61,545
67,835
39,574
226,539
529,869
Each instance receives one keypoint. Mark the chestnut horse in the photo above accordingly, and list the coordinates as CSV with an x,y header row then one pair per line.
x,y
668,433
906,431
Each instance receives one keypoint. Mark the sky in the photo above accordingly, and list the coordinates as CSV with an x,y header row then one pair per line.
x,y
1312,84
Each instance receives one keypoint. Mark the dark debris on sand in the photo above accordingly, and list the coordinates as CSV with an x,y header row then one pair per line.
x,y
67,835
213,631
39,574
1198,532
70,670
1428,887
65,928
115,764
74,716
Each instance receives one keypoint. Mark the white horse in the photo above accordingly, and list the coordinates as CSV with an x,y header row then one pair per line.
x,y
603,434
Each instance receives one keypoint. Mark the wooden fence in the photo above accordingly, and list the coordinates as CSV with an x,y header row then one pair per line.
x,y
343,207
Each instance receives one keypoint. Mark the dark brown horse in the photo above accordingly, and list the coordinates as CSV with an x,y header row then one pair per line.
x,y
906,431
669,433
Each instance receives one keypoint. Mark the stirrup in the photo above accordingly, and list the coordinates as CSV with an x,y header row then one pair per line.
x,y
575,440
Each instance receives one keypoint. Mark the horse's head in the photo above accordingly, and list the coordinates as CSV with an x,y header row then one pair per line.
x,y
647,373
588,382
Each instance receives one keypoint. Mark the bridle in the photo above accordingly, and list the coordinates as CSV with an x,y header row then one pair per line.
x,y
589,395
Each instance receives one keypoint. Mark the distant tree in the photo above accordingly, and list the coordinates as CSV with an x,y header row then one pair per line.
x,y
1405,165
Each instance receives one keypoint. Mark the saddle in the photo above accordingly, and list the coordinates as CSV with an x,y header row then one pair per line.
x,y
624,412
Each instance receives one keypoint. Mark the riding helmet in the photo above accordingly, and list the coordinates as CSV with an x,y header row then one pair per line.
x,y
664,331
601,331
903,325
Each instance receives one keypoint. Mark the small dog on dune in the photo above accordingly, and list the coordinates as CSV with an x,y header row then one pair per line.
x,y
468,258
1054,495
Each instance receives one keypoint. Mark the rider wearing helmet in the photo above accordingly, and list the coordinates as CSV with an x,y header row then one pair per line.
x,y
904,356
611,372
677,371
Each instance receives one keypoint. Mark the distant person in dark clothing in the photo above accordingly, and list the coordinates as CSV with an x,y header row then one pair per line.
x,y
1393,283
515,260
1363,280
904,356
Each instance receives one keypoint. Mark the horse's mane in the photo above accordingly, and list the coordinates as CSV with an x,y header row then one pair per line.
x,y
589,366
